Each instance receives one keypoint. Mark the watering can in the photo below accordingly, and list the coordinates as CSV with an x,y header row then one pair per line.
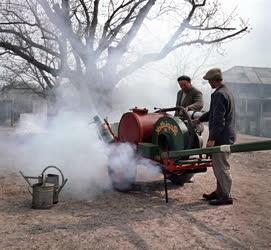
x,y
45,192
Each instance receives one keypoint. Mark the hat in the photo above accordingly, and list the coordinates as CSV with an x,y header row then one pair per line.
x,y
213,74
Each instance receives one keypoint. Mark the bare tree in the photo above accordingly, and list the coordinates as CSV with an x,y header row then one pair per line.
x,y
89,41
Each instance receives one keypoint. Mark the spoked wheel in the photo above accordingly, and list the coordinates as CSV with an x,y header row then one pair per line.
x,y
180,178
122,167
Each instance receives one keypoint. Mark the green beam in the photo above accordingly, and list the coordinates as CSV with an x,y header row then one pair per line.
x,y
235,148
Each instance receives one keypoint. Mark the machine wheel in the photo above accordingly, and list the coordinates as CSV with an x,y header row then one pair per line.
x,y
121,181
181,178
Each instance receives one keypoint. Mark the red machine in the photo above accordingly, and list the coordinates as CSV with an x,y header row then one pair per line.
x,y
173,144
153,136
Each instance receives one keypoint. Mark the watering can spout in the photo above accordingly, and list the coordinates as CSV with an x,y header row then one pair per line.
x,y
25,178
62,185
39,178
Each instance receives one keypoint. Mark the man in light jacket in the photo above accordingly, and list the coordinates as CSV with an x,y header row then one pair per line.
x,y
188,97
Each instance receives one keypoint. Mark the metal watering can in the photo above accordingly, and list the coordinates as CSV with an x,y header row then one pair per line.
x,y
45,192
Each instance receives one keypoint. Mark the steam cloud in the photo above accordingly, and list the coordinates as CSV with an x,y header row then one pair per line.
x,y
70,142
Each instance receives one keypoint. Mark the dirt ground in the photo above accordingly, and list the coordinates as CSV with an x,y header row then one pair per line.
x,y
141,219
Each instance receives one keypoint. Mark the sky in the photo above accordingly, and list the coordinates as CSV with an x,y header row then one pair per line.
x,y
254,49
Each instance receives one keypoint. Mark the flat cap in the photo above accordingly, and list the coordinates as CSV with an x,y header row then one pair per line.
x,y
213,74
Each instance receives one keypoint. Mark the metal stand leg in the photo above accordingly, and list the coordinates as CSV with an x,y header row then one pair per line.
x,y
165,185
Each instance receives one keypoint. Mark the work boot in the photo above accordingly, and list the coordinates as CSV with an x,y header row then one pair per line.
x,y
209,197
221,201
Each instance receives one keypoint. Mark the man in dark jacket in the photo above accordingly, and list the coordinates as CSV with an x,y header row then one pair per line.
x,y
188,97
221,117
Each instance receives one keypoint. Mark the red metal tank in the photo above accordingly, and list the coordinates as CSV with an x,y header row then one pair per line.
x,y
137,126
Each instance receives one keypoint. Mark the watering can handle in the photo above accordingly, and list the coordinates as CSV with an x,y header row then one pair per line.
x,y
25,178
63,182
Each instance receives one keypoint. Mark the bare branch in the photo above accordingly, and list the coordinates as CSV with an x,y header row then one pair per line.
x,y
122,46
65,27
92,28
86,13
158,56
30,42
107,39
21,80
17,50
202,41
209,28
46,79
3,53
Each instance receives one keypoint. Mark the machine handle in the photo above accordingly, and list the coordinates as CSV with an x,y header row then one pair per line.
x,y
158,110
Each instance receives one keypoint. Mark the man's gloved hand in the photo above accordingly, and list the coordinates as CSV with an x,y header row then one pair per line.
x,y
210,143
196,121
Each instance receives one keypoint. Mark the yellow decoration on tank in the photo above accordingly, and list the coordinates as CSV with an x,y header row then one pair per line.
x,y
166,126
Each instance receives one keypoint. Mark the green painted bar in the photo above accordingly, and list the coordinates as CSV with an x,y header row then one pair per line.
x,y
235,148
252,146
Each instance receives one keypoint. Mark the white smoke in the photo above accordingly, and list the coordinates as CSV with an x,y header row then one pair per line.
x,y
71,142
124,161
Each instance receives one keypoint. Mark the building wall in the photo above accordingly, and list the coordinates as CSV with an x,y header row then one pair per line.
x,y
21,101
5,112
253,102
